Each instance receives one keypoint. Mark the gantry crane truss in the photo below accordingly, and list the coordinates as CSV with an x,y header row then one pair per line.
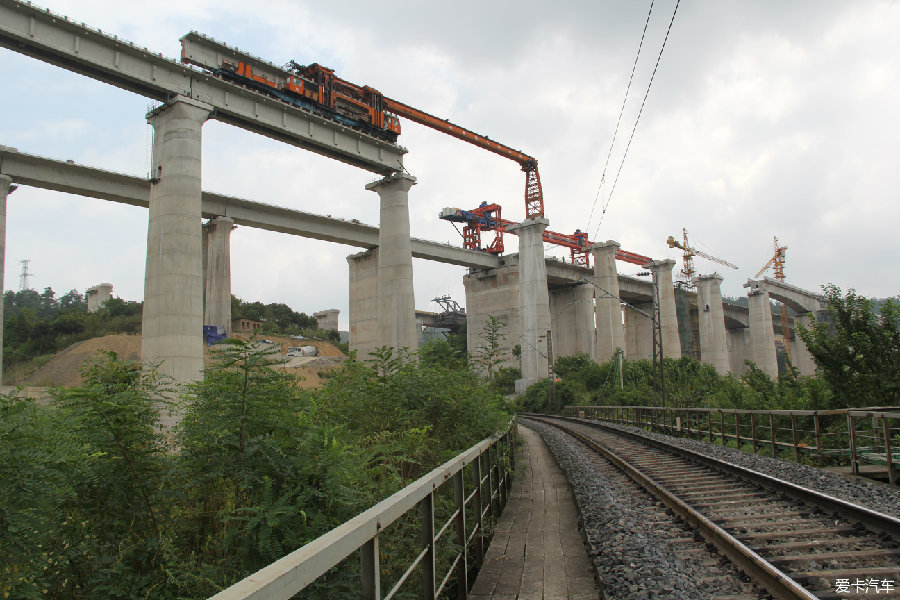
x,y
487,218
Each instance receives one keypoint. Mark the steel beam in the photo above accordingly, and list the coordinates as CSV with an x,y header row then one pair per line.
x,y
54,39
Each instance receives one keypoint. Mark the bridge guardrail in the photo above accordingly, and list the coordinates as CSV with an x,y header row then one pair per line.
x,y
491,460
848,437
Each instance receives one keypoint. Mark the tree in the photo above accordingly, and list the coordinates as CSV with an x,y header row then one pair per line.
x,y
856,350
490,352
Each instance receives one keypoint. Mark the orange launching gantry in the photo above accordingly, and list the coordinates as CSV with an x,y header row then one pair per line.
x,y
487,218
534,195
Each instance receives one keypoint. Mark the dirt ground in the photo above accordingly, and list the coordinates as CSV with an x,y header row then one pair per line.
x,y
64,369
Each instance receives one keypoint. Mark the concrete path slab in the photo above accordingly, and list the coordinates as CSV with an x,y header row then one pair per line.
x,y
537,552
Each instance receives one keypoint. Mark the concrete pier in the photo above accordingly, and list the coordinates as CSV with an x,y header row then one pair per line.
x,y
713,343
327,319
396,298
495,293
572,320
639,333
668,317
364,302
610,325
534,299
97,296
802,359
5,184
173,286
217,307
762,336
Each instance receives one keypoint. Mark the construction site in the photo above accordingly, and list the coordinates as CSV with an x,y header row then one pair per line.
x,y
551,306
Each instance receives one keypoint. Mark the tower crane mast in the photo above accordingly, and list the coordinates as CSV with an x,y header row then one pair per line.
x,y
777,264
690,253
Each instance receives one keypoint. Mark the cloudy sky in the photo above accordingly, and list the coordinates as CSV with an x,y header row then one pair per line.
x,y
764,118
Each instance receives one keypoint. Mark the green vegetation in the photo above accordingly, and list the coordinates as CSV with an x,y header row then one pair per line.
x,y
856,350
279,318
39,324
96,502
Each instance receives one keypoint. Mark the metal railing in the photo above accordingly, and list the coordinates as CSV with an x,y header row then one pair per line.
x,y
847,437
492,461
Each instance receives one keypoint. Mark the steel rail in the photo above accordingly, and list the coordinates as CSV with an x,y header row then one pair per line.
x,y
869,518
755,566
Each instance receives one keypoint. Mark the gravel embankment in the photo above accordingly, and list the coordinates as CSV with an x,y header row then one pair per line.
x,y
633,543
870,494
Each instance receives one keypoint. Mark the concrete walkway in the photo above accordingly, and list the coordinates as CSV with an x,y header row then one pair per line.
x,y
537,552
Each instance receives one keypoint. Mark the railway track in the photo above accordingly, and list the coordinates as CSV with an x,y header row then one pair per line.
x,y
792,542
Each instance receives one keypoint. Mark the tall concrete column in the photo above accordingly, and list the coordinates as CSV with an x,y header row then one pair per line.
x,y
713,343
639,333
803,360
610,324
668,317
173,286
218,273
364,329
5,184
534,298
572,319
738,350
495,293
762,336
396,299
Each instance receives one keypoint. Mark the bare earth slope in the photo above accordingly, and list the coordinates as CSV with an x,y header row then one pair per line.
x,y
65,368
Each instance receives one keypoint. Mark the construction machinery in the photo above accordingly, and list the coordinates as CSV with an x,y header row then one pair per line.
x,y
777,264
487,218
317,89
689,253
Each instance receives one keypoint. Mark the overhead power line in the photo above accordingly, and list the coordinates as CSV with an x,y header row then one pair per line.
x,y
638,118
621,112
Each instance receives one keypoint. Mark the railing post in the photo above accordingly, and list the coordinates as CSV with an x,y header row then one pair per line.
x,y
709,425
818,438
478,509
370,570
753,432
892,478
854,463
722,425
428,543
795,438
737,429
772,431
462,570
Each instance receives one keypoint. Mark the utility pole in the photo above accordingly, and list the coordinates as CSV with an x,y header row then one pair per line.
x,y
659,382
550,374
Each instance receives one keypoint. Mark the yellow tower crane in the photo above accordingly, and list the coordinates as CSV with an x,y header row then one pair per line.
x,y
777,264
690,253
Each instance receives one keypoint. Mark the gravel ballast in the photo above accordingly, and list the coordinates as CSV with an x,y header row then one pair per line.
x,y
633,542
870,494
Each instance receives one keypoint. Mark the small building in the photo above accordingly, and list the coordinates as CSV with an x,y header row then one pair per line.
x,y
245,326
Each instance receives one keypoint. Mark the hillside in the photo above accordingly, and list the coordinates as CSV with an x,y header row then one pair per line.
x,y
64,368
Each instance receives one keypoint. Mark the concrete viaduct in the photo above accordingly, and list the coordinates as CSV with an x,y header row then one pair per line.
x,y
187,278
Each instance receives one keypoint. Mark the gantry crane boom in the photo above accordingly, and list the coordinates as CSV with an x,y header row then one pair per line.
x,y
534,195
487,218
690,253
778,261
